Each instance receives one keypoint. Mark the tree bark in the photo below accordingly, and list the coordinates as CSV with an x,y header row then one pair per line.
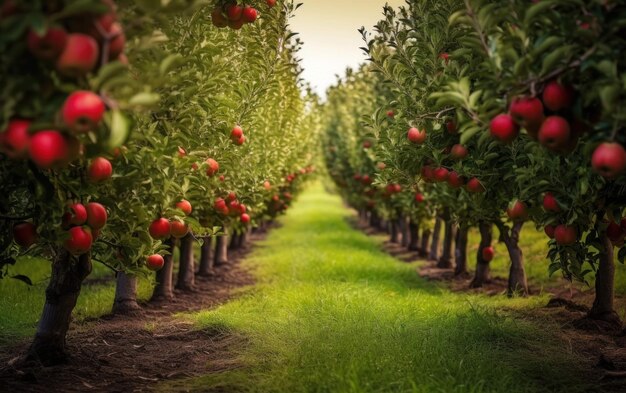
x,y
482,274
234,241
206,257
186,269
374,219
445,262
221,250
517,274
434,243
602,308
394,231
413,236
164,288
423,250
404,231
125,302
68,273
460,254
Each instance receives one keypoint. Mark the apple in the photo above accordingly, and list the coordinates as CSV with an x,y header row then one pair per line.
x,y
396,188
451,127
427,173
218,18
15,139
25,234
234,12
178,229
79,56
181,152
213,167
99,170
550,203
445,57
240,141
160,229
155,262
249,14
565,235
416,136
267,185
454,180
504,128
78,214
366,179
458,152
517,211
231,196
609,159
441,174
49,46
79,241
554,132
271,3
242,208
236,133
48,148
474,185
488,253
419,198
528,111
116,46
185,206
614,232
549,230
222,178
391,114
96,215
82,111
557,97
236,24
244,218
367,144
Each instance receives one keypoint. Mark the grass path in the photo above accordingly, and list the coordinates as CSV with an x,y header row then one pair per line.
x,y
333,313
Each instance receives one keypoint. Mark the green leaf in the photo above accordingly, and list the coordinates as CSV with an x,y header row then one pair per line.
x,y
145,99
119,128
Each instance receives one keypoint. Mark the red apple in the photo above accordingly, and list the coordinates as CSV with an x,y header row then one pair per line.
x,y
236,24
116,46
474,185
78,214
49,45
416,136
504,128
48,148
79,241
451,127
244,218
441,174
242,208
96,215
565,235
528,111
25,234
155,262
557,96
427,173
267,185
100,170
236,133
549,230
445,57
178,229
240,141
82,111
419,198
609,159
218,18
367,144
271,3
185,206
79,57
517,211
391,114
550,203
488,253
15,139
160,229
181,152
212,167
234,12
249,14
614,232
454,180
554,132
458,152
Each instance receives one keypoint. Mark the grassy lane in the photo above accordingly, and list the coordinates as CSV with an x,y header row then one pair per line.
x,y
331,312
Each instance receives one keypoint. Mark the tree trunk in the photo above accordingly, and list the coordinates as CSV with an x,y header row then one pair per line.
x,y
413,236
374,219
186,269
482,274
68,274
423,250
404,230
602,308
394,231
517,274
245,238
164,288
445,262
460,254
434,243
221,250
206,257
234,241
125,302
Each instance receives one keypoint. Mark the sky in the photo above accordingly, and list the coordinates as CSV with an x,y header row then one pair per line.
x,y
331,40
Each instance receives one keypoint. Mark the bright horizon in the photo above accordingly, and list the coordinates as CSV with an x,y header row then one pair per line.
x,y
328,29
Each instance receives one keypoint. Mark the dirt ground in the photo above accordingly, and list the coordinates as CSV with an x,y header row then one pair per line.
x,y
134,354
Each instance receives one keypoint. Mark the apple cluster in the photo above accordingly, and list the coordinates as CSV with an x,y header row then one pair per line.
x,y
232,206
83,225
234,15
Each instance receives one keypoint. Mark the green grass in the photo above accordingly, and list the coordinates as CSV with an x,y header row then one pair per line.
x,y
333,313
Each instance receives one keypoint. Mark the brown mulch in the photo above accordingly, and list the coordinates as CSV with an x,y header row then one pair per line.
x,y
136,353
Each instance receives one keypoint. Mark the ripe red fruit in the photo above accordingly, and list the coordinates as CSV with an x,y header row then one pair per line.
x,y
396,188
249,14
155,262
427,173
445,57
614,232
391,114
242,208
48,148
236,24
236,133
454,180
24,234
416,136
222,178
271,3
517,211
231,196
49,46
554,132
419,198
557,96
550,203
527,110
366,179
488,253
441,174
78,214
213,167
178,229
367,144
474,185
96,215
82,111
565,235
504,128
185,206
79,56
458,152
267,185
15,139
160,228
245,218
100,170
234,12
79,242
116,47
240,141
549,230
218,18
609,159
451,127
